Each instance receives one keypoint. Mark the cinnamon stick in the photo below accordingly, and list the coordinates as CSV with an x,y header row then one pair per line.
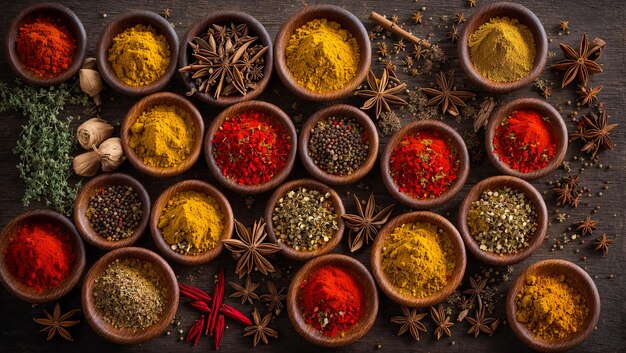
x,y
394,28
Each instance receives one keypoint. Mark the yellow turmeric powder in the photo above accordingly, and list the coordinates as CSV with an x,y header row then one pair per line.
x,y
139,55
163,136
192,222
322,56
550,307
418,259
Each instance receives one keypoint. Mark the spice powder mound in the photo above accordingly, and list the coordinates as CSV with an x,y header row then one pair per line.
x,y
338,145
114,212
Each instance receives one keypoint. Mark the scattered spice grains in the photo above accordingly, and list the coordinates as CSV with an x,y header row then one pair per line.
x,y
338,145
114,212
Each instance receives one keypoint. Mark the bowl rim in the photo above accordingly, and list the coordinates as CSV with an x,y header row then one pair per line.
x,y
557,127
288,251
368,317
270,110
533,195
348,21
157,211
22,291
462,154
340,110
147,102
571,270
200,25
512,10
127,336
135,17
459,252
72,23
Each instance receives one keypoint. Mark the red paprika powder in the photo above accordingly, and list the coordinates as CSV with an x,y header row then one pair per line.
x,y
423,165
524,141
251,148
40,256
331,300
45,46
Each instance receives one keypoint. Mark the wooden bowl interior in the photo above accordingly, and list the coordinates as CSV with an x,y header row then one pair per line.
x,y
580,280
200,27
495,183
269,110
119,25
369,305
29,294
53,11
82,204
368,128
288,251
455,140
125,335
390,289
159,206
162,98
347,21
514,11
557,126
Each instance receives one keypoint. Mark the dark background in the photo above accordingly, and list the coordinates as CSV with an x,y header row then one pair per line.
x,y
603,19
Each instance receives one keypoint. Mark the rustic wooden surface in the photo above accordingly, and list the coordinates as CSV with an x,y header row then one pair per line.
x,y
598,18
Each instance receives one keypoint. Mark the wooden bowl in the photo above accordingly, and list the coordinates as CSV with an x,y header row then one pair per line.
x,y
445,131
459,252
332,13
268,109
157,211
54,11
533,196
370,301
82,203
501,9
24,292
162,98
557,126
581,280
224,17
349,112
121,335
288,251
118,25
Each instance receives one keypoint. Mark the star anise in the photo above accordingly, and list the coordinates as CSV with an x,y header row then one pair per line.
x,y
166,12
417,17
381,94
410,320
460,18
446,95
587,226
588,95
417,52
260,329
476,289
245,292
382,49
443,322
58,323
578,64
480,323
471,3
274,298
572,181
399,46
596,131
364,226
390,67
453,34
564,195
602,243
546,92
564,25
251,249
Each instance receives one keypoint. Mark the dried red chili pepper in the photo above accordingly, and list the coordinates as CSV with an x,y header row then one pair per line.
x,y
194,293
195,331
235,314
219,331
218,296
201,306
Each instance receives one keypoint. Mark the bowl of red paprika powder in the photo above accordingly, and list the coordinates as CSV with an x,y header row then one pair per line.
x,y
46,44
43,256
343,290
526,138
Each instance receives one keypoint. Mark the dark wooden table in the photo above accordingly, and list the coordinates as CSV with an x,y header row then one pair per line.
x,y
598,18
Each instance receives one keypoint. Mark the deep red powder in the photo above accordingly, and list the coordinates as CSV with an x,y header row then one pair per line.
x,y
45,46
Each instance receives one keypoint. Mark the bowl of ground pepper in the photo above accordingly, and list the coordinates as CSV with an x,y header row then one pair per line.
x,y
322,53
553,306
162,134
42,256
130,295
502,47
111,211
189,220
503,220
338,145
45,44
304,218
418,259
137,53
